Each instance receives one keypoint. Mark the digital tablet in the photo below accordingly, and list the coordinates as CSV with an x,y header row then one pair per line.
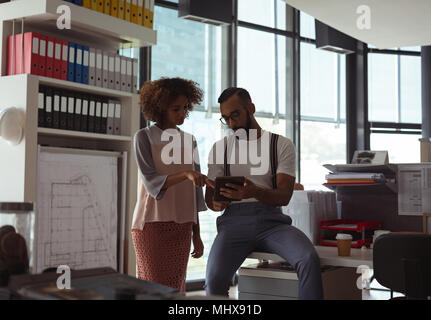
x,y
220,182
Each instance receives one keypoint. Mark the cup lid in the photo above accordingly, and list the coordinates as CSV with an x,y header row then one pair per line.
x,y
343,236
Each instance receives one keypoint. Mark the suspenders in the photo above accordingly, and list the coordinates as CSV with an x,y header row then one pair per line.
x,y
273,159
225,164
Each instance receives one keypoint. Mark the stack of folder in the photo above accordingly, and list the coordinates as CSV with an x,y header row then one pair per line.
x,y
112,71
308,208
140,12
41,55
37,54
354,178
67,110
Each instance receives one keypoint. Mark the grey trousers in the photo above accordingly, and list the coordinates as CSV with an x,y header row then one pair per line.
x,y
247,227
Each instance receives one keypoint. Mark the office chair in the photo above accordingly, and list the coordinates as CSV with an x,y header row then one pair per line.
x,y
402,263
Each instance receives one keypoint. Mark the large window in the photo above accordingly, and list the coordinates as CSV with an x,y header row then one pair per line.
x,y
192,50
394,102
264,61
410,89
206,130
306,26
323,109
320,89
189,50
321,143
268,13
262,69
382,88
402,148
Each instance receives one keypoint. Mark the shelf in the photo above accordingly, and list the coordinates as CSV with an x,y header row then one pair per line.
x,y
354,244
89,25
82,87
80,134
69,85
350,224
387,187
380,188
90,28
387,170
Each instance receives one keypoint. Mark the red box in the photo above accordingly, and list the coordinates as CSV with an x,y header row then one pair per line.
x,y
350,225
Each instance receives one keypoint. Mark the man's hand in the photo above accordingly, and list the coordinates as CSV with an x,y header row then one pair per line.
x,y
219,205
246,191
209,197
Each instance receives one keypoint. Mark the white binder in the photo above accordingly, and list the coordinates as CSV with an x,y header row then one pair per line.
x,y
92,68
105,72
111,71
123,73
111,114
129,75
99,69
135,76
117,119
117,72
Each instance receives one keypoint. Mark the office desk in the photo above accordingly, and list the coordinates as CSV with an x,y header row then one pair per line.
x,y
328,257
339,275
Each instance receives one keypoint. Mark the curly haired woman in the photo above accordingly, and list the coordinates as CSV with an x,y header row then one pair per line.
x,y
165,220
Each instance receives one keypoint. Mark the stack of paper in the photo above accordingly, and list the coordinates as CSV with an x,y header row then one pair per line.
x,y
354,178
308,208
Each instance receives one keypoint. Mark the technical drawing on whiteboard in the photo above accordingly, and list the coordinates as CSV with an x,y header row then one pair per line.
x,y
77,210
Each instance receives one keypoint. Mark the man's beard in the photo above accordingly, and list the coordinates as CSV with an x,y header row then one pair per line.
x,y
247,126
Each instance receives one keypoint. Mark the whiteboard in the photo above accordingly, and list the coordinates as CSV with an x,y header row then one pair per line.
x,y
77,209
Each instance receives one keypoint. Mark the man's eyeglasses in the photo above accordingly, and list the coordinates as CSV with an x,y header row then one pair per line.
x,y
233,116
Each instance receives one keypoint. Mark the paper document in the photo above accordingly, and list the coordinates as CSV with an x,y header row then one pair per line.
x,y
77,213
308,208
344,226
414,189
355,175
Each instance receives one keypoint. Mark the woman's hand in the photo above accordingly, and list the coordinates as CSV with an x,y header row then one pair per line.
x,y
197,178
198,246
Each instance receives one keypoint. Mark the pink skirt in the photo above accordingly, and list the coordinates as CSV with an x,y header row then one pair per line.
x,y
162,252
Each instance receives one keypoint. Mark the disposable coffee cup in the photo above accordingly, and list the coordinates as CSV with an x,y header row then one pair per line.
x,y
344,242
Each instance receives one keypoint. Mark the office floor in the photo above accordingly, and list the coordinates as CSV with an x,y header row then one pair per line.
x,y
233,292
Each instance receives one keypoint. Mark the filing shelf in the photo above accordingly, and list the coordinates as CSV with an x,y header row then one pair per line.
x,y
380,188
69,85
88,26
18,182
81,134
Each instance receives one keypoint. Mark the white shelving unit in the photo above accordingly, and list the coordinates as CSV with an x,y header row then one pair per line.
x,y
88,27
77,134
18,164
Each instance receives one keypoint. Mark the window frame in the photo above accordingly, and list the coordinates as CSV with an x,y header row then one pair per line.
x,y
391,127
